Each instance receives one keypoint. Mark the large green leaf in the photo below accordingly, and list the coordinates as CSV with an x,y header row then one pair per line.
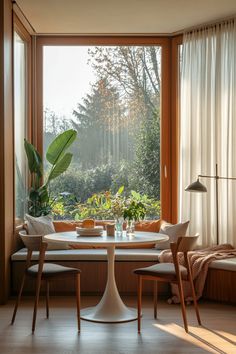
x,y
59,145
43,194
34,159
60,167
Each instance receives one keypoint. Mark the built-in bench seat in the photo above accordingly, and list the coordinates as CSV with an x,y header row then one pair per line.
x,y
220,284
93,262
221,281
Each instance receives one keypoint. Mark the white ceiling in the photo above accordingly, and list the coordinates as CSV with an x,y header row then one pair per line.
x,y
122,16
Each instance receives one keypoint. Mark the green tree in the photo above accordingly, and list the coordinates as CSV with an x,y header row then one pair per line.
x,y
147,162
134,71
100,123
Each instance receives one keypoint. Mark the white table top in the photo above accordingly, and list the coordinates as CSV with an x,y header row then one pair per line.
x,y
139,237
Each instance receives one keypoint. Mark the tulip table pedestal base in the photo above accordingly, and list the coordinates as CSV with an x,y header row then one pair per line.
x,y
111,308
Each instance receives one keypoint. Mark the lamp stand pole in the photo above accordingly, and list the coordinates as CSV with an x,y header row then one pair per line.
x,y
216,177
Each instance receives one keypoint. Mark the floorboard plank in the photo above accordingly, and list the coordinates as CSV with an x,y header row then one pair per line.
x,y
165,335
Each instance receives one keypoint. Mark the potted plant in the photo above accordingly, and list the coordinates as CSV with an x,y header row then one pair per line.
x,y
135,210
59,159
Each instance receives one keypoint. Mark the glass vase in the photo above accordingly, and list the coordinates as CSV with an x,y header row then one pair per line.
x,y
119,226
130,227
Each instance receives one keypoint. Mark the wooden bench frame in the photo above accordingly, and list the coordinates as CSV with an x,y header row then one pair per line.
x,y
93,280
220,286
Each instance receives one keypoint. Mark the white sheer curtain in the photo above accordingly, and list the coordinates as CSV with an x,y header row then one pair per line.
x,y
208,130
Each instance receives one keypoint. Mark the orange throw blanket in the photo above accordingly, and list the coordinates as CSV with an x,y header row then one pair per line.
x,y
199,261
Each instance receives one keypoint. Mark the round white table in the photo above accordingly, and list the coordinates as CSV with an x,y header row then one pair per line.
x,y
111,308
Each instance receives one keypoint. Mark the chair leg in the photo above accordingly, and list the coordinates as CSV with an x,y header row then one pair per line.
x,y
18,299
78,299
155,297
195,300
139,302
183,308
47,298
38,286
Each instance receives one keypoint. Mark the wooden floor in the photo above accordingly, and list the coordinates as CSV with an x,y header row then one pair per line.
x,y
165,335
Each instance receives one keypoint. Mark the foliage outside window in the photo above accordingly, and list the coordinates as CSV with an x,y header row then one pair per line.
x,y
118,125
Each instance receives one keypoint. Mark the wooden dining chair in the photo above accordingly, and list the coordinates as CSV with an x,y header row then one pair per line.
x,y
44,271
172,273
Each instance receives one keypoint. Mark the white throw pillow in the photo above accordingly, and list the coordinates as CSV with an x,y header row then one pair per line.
x,y
173,231
43,225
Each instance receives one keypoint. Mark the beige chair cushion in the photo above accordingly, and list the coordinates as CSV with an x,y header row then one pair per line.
x,y
165,270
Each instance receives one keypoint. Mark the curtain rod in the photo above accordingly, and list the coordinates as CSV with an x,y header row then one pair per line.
x,y
211,24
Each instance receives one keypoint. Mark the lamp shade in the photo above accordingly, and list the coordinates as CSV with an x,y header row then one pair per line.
x,y
197,187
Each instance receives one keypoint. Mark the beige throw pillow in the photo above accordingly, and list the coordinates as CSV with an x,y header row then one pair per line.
x,y
173,231
43,225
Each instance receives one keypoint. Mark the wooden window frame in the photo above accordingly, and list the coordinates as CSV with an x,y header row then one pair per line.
x,y
175,109
169,105
26,37
19,28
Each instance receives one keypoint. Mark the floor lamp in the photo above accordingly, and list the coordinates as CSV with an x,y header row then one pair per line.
x,y
198,187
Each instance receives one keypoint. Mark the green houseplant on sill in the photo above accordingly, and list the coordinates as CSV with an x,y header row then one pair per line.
x,y
59,159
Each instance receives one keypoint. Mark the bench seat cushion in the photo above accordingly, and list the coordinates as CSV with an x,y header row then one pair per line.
x,y
224,264
91,255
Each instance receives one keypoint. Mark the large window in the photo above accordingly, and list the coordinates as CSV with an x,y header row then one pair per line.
x,y
113,96
21,114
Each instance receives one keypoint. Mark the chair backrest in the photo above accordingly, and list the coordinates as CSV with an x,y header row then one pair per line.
x,y
31,242
34,243
186,243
